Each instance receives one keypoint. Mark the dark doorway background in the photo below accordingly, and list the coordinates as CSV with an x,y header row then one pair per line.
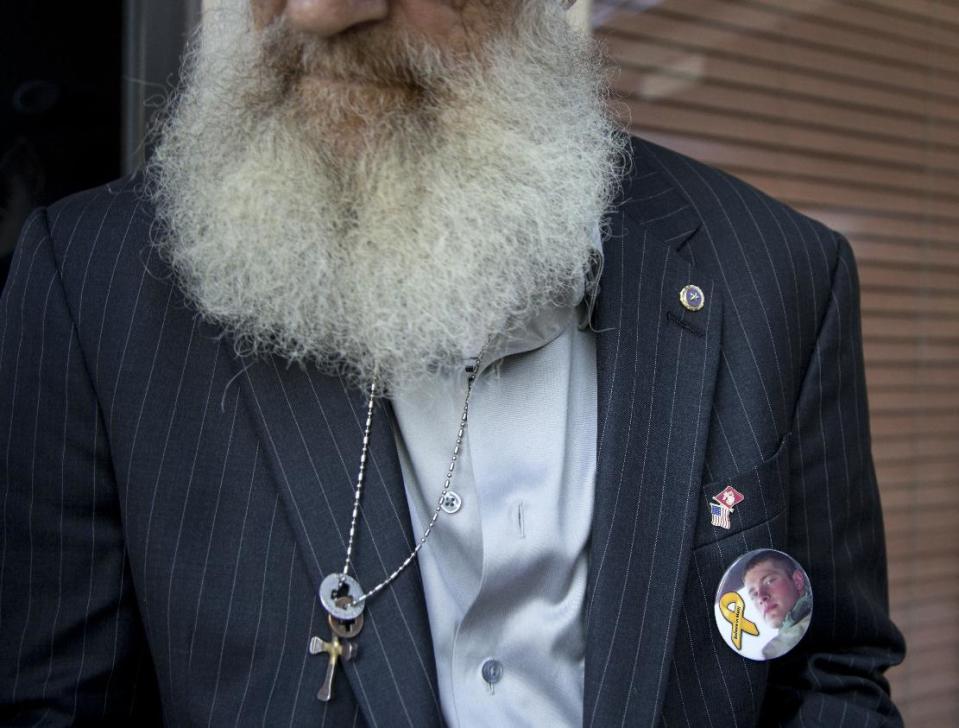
x,y
60,119
79,85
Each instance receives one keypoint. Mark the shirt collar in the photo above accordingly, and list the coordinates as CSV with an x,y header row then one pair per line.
x,y
553,319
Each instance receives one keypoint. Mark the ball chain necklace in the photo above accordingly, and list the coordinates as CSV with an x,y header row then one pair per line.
x,y
341,594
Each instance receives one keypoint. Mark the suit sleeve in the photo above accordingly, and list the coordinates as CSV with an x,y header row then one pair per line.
x,y
835,675
72,647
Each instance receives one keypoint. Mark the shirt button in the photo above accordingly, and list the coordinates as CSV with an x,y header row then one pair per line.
x,y
492,671
451,502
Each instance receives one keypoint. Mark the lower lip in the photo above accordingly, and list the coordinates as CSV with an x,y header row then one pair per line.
x,y
336,80
341,81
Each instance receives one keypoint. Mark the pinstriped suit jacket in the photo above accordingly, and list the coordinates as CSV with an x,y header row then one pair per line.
x,y
169,510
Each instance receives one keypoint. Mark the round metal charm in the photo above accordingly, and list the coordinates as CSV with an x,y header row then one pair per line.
x,y
331,596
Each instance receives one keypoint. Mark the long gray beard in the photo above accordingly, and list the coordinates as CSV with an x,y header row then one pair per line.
x,y
401,250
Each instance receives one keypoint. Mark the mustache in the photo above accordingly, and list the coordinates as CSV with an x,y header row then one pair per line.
x,y
379,54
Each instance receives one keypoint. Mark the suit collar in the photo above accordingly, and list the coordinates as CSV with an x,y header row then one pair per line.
x,y
656,365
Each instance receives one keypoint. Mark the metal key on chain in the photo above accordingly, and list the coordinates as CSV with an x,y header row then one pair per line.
x,y
345,628
338,648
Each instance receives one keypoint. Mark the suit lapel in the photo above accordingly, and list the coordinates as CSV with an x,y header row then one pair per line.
x,y
312,429
656,367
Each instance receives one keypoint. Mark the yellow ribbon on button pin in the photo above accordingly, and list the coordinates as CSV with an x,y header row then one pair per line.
x,y
732,607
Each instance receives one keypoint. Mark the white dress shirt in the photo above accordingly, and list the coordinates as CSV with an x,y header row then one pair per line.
x,y
505,575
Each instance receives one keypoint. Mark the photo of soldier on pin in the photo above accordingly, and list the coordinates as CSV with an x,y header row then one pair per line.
x,y
764,604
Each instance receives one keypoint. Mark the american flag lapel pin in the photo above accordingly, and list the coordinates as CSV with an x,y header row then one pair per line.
x,y
726,501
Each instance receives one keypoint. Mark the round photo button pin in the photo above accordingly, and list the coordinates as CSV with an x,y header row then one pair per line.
x,y
763,604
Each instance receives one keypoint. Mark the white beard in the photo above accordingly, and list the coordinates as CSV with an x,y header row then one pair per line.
x,y
396,244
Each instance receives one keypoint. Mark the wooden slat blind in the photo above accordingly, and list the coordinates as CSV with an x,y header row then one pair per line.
x,y
848,110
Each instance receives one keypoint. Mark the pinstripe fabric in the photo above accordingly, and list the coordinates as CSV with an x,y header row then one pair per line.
x,y
169,509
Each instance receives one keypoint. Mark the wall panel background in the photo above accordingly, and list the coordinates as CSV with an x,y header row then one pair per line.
x,y
848,110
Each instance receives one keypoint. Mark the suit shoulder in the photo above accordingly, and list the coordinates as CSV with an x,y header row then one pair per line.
x,y
99,218
101,243
101,237
743,229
